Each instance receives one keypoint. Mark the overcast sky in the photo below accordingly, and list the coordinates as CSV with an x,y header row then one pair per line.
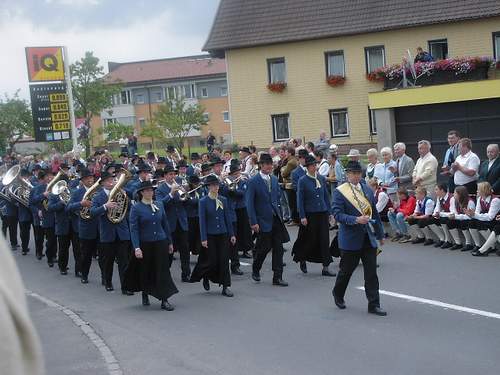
x,y
116,30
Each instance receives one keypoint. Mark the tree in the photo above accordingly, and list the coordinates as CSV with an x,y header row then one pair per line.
x,y
15,120
92,93
115,130
154,131
179,118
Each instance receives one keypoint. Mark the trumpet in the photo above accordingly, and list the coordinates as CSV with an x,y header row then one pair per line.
x,y
233,184
61,189
185,195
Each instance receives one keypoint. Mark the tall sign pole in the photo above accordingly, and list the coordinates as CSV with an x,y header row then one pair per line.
x,y
74,134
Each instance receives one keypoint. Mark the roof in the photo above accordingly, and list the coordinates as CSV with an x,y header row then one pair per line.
x,y
247,23
166,69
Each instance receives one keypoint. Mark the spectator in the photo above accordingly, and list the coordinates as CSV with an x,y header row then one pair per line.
x,y
490,169
253,149
132,145
323,166
123,143
423,56
404,166
385,175
210,141
397,216
323,142
466,166
289,164
310,148
424,173
373,164
449,157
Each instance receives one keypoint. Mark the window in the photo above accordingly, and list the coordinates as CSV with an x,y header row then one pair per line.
x,y
339,123
187,91
125,97
171,92
438,49
206,116
204,92
335,63
142,122
223,91
276,70
139,99
225,116
496,45
372,121
375,58
281,127
157,96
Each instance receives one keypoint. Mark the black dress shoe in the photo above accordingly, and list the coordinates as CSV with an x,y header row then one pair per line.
x,y
127,293
256,276
206,284
418,240
377,311
284,264
85,280
64,273
428,242
328,273
446,245
237,272
51,264
109,288
185,279
279,282
39,257
227,292
303,267
166,306
25,252
338,301
439,244
145,299
467,248
456,247
477,253
78,274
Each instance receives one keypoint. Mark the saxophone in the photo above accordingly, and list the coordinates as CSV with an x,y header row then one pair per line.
x,y
88,196
50,185
119,196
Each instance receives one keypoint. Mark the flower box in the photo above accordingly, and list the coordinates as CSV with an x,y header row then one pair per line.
x,y
277,87
335,80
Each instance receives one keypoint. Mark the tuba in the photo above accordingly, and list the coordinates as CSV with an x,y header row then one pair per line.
x,y
88,196
119,196
4,190
50,185
61,189
16,187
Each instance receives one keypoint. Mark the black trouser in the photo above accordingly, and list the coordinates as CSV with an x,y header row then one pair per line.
x,y
292,204
12,225
267,241
50,244
38,234
233,251
471,187
87,249
349,261
24,228
75,245
451,184
180,242
5,225
119,251
63,256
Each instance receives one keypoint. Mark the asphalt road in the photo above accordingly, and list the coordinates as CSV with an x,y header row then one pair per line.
x,y
271,330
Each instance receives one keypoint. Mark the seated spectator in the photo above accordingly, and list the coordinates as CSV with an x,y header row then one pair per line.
x,y
466,166
490,169
397,215
483,217
492,240
423,56
438,224
385,174
421,217
383,202
373,164
458,220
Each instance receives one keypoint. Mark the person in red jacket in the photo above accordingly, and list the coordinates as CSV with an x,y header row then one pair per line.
x,y
398,215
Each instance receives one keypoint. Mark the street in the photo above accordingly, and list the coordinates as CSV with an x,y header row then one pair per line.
x,y
272,330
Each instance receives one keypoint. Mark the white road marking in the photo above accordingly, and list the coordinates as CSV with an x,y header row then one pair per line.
x,y
106,353
438,303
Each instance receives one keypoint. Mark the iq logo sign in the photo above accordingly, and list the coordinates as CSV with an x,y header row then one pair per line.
x,y
45,64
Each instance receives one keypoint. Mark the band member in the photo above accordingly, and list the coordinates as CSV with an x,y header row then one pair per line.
x,y
10,219
300,171
264,212
359,229
37,224
216,232
483,218
458,221
168,194
195,167
438,223
114,237
313,203
194,239
246,165
87,226
62,227
288,165
25,219
161,163
143,174
152,245
47,219
172,156
422,217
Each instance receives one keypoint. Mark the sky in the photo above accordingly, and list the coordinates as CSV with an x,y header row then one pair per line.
x,y
115,30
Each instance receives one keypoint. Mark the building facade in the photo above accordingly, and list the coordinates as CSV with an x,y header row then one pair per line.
x,y
344,41
148,84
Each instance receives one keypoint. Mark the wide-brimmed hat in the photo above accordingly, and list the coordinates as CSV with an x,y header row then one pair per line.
x,y
158,174
302,153
245,149
170,149
205,167
353,153
143,168
233,168
265,159
195,156
162,160
145,185
169,168
310,160
124,154
85,173
211,180
216,160
353,166
181,164
105,175
193,179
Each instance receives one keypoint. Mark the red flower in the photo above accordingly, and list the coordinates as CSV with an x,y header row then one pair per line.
x,y
335,80
277,86
376,76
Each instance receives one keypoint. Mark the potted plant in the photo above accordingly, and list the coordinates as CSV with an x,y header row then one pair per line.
x,y
335,80
276,87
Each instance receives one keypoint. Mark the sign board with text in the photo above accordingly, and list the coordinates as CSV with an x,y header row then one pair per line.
x,y
50,108
45,64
